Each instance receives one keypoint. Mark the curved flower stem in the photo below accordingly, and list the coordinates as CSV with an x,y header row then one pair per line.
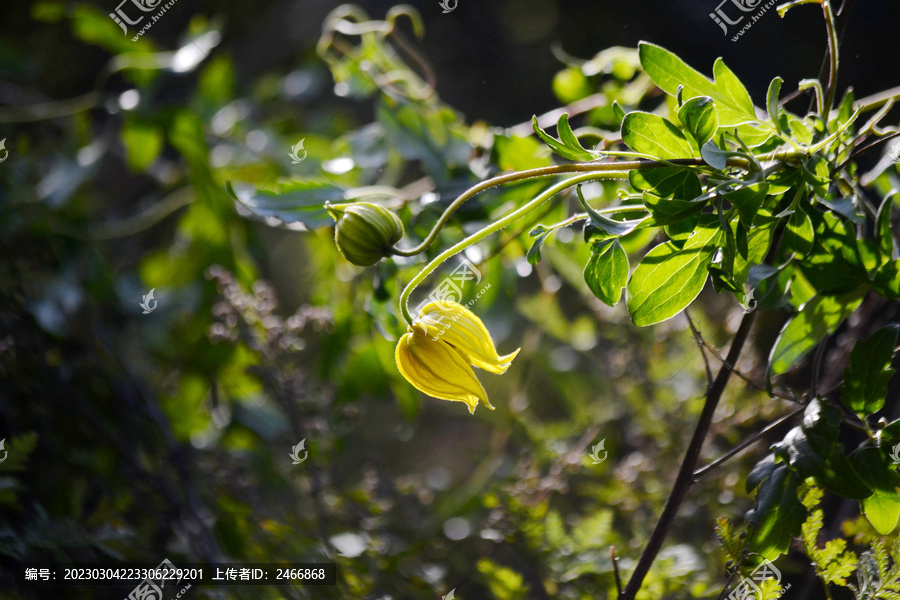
x,y
532,174
497,226
833,44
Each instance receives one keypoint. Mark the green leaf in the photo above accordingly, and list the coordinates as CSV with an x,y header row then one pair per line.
x,y
887,279
294,201
668,182
748,200
834,265
618,113
698,115
143,142
772,102
731,90
668,279
606,273
567,136
869,370
817,175
568,145
605,224
799,234
655,136
667,71
799,130
882,508
829,471
813,450
817,318
758,242
883,234
714,156
540,234
680,231
778,513
666,211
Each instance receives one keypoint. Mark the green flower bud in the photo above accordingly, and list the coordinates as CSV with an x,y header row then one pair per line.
x,y
365,232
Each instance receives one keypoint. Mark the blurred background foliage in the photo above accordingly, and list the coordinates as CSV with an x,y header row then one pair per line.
x,y
141,436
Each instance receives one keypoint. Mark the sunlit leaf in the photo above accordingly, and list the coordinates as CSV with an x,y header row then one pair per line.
x,y
606,273
668,279
817,318
869,370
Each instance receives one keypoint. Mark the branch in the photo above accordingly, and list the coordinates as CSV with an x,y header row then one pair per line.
x,y
748,442
701,345
686,472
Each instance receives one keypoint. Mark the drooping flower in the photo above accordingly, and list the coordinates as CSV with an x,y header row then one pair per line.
x,y
437,352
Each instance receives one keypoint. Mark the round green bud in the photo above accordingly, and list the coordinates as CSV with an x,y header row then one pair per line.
x,y
365,232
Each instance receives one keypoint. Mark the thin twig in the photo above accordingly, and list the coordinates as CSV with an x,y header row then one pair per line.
x,y
746,379
748,442
615,566
701,344
686,473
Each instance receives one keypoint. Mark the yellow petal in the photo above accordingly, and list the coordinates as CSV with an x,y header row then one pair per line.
x,y
459,327
438,370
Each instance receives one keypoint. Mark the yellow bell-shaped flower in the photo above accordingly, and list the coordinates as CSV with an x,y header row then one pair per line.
x,y
441,344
